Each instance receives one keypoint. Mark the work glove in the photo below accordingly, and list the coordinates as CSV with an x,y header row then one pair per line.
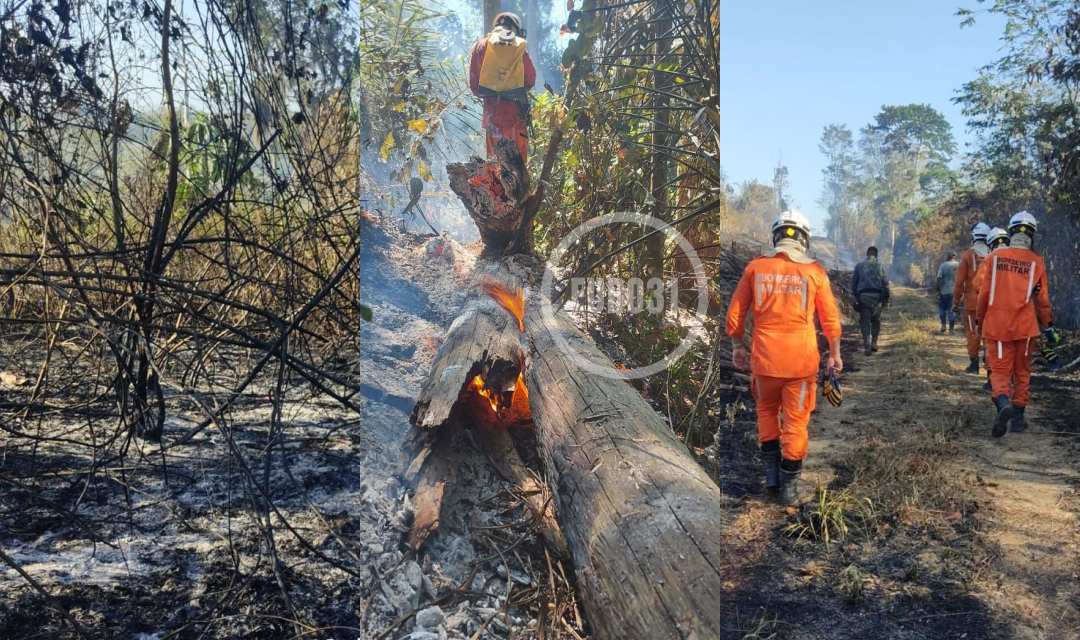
x,y
1050,354
830,387
1053,337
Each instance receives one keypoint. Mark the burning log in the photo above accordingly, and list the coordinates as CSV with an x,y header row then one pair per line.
x,y
482,347
477,380
495,195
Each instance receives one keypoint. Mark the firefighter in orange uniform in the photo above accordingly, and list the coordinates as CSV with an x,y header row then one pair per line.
x,y
998,238
1014,302
501,73
783,292
966,293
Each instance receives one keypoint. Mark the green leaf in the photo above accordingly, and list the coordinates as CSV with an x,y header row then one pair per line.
x,y
365,313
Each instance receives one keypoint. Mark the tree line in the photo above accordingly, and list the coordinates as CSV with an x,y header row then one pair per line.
x,y
895,184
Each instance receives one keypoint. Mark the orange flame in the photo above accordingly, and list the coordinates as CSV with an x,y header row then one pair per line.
x,y
477,385
510,406
508,410
513,300
519,401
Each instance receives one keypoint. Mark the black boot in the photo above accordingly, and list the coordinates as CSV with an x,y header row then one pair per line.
x,y
770,456
790,470
873,344
1018,423
867,346
1004,414
973,367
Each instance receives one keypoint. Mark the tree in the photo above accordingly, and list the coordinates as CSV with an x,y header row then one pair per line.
x,y
916,130
912,139
840,176
781,182
1024,106
756,205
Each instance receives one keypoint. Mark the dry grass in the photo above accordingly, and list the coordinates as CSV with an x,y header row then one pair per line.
x,y
852,583
899,471
909,477
832,516
764,627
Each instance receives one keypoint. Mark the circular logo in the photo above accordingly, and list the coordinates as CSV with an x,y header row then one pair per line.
x,y
628,296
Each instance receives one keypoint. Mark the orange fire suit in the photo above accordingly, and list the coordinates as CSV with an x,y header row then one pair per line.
x,y
1014,300
966,292
783,297
504,111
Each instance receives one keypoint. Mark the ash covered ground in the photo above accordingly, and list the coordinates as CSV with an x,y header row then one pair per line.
x,y
243,531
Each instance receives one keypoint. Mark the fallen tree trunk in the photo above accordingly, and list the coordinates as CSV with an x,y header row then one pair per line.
x,y
479,361
642,519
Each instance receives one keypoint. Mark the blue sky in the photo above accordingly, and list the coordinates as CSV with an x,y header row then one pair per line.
x,y
790,67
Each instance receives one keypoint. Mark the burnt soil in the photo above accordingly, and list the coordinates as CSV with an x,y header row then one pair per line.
x,y
935,529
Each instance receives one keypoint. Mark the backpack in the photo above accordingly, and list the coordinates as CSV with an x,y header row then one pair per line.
x,y
871,277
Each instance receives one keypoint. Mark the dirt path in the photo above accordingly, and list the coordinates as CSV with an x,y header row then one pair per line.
x,y
923,526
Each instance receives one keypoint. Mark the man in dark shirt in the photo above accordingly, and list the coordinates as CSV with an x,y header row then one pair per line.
x,y
870,286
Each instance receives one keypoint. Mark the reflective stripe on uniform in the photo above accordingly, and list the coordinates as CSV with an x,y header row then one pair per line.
x,y
1031,283
993,280
1000,353
802,395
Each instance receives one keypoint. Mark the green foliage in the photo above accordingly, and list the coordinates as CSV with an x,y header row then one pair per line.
x,y
915,130
876,187
1023,107
407,85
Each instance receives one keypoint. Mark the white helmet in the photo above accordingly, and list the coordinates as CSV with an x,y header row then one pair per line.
x,y
979,232
998,237
1023,222
789,224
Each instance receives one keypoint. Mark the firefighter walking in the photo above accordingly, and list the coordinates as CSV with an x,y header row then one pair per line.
x,y
1013,309
784,291
966,293
501,73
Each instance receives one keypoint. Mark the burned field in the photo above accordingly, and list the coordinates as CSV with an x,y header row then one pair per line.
x,y
281,518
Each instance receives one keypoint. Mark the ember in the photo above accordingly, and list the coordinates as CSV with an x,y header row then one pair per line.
x,y
477,385
510,407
